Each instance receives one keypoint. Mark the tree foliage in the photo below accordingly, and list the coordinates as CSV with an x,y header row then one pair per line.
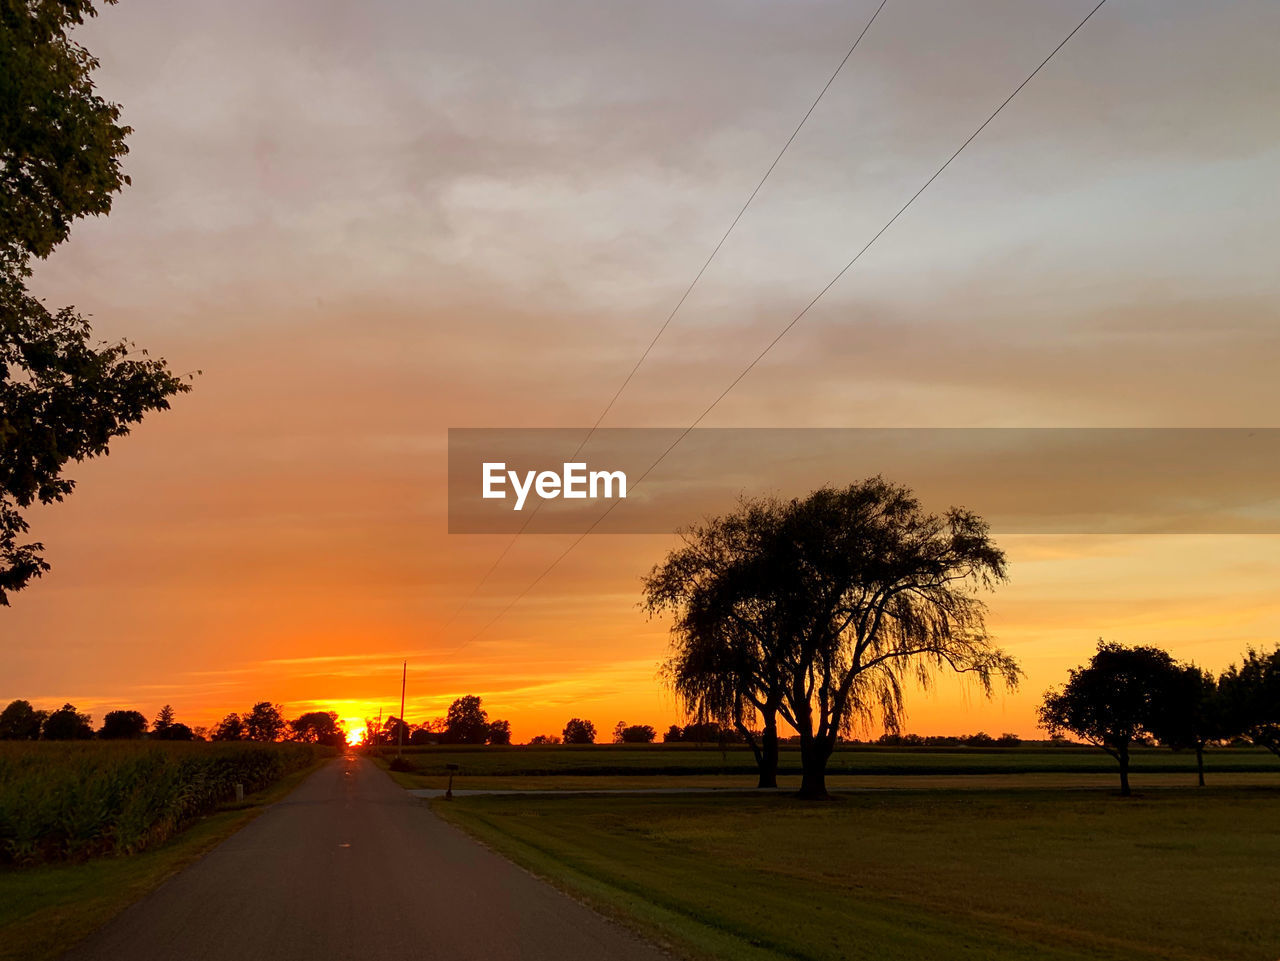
x,y
63,397
1251,698
19,721
1118,698
67,724
123,725
318,727
823,608
579,731
264,722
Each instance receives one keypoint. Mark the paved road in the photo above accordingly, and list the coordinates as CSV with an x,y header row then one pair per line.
x,y
349,866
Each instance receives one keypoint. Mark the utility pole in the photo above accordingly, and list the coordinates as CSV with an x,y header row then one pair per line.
x,y
404,676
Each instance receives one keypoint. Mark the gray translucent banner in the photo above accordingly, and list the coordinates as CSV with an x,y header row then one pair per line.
x,y
1022,480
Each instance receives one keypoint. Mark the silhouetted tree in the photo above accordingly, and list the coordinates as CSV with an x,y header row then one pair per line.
x,y
545,739
466,721
19,721
1114,701
393,729
1251,699
499,732
673,734
728,637
264,722
1189,713
164,719
230,728
578,731
122,725
63,395
848,594
67,724
638,734
318,727
177,731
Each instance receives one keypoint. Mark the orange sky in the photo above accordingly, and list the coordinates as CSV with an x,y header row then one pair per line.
x,y
368,224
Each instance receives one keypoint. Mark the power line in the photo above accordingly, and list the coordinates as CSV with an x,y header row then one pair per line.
x,y
676,309
782,333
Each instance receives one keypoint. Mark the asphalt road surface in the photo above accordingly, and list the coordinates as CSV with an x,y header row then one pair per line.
x,y
349,866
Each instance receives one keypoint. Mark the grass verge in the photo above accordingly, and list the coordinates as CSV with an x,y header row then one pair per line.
x,y
904,876
45,910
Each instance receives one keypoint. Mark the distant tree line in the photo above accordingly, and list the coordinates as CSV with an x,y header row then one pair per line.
x,y
466,722
980,739
1127,696
264,722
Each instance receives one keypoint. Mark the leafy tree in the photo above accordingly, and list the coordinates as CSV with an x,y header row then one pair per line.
x,y
639,734
578,731
1114,701
673,734
264,722
466,722
164,720
67,724
545,739
499,732
63,397
230,728
122,725
618,730
729,639
19,721
1189,714
829,604
177,731
1251,699
318,727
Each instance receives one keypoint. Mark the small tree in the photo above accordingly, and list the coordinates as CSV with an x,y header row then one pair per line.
x,y
1189,714
545,739
578,731
466,721
618,730
499,732
161,724
1113,701
264,722
122,725
1251,699
638,734
230,728
67,724
318,727
21,722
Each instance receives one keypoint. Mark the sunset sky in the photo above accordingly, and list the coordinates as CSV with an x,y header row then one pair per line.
x,y
368,223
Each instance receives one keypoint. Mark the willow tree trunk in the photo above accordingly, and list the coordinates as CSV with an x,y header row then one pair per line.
x,y
1124,774
768,759
814,753
1200,763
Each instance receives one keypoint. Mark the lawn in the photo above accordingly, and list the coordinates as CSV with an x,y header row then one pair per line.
x,y
908,875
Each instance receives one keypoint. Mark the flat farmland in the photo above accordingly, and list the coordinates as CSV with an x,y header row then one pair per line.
x,y
1175,873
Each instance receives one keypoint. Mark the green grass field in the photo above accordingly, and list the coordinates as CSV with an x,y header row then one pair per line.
x,y
633,762
1176,873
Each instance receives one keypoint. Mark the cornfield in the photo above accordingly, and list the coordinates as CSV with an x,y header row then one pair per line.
x,y
63,801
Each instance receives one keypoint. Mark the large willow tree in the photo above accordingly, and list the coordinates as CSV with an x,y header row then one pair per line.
x,y
825,608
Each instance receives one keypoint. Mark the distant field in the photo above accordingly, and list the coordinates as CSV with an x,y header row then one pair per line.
x,y
908,876
691,760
